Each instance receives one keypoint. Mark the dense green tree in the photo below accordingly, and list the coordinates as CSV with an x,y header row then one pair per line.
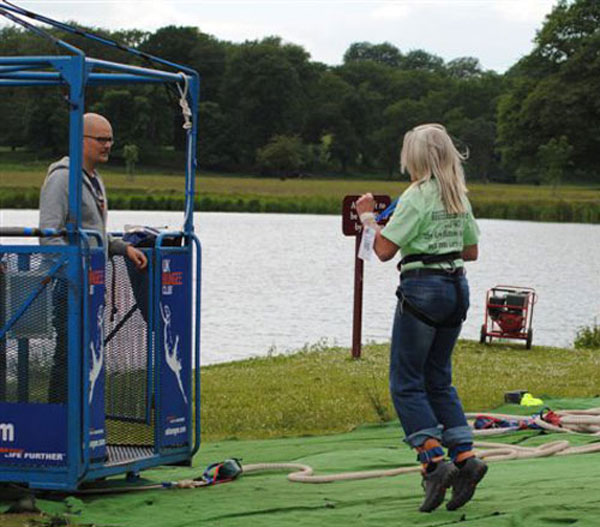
x,y
216,148
263,91
282,156
191,47
385,53
48,126
420,59
131,154
464,67
349,117
399,118
476,138
553,93
15,113
554,157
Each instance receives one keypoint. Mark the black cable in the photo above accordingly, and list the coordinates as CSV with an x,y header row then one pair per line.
x,y
90,35
29,26
172,93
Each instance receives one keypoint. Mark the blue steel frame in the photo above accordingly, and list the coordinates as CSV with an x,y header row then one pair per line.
x,y
76,71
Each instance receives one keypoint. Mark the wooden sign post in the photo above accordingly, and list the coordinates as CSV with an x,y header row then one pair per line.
x,y
351,226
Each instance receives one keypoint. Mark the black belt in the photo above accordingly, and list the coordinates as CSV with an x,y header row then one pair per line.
x,y
428,259
415,273
456,318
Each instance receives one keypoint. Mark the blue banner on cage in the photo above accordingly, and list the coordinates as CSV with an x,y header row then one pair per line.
x,y
174,340
33,434
95,348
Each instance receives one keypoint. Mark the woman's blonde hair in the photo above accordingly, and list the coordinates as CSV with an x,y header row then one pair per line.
x,y
427,151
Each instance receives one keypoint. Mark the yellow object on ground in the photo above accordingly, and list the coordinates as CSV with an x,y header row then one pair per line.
x,y
530,400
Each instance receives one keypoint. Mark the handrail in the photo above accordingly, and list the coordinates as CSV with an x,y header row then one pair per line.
x,y
34,232
24,232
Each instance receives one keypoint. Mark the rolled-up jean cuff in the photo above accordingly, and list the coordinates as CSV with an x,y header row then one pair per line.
x,y
457,435
418,438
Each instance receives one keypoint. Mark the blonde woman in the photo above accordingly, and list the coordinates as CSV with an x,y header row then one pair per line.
x,y
434,228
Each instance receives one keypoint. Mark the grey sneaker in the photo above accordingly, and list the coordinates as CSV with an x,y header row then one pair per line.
x,y
464,484
436,483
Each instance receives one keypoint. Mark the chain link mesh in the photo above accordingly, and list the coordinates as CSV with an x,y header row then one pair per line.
x,y
33,353
33,356
128,354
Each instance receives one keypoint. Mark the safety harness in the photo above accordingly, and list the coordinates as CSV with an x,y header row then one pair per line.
x,y
222,472
428,259
458,316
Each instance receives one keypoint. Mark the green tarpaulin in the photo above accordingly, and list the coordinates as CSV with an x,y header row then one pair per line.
x,y
541,492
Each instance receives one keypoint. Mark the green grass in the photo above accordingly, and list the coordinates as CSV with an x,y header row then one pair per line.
x,y
31,176
155,189
320,391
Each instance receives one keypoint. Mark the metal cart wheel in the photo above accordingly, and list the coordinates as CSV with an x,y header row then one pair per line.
x,y
529,339
482,335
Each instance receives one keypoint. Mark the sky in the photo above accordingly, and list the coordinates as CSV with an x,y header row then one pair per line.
x,y
497,32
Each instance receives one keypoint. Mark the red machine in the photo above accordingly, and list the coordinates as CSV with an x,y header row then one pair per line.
x,y
508,314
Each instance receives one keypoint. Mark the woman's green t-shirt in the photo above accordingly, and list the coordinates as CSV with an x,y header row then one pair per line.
x,y
421,225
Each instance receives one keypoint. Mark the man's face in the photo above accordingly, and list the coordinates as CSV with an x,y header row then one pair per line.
x,y
97,142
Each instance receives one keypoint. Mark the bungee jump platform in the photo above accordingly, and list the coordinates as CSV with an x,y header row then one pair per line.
x,y
99,363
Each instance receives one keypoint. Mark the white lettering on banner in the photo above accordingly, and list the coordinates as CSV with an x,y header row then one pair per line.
x,y
7,432
97,443
175,431
167,289
44,456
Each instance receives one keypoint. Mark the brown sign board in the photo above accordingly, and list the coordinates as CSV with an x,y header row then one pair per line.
x,y
351,225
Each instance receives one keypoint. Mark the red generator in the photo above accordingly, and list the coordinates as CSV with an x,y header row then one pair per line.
x,y
508,314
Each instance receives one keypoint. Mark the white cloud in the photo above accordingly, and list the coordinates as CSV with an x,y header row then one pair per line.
x,y
498,32
523,11
391,11
148,15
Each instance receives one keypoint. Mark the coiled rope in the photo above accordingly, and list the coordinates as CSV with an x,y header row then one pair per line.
x,y
581,422
584,422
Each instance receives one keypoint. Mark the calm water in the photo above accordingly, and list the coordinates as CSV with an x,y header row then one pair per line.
x,y
277,282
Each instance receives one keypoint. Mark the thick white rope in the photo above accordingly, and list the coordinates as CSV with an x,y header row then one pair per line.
x,y
185,107
572,421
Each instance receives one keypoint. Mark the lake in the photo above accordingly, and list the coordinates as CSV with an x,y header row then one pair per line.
x,y
273,283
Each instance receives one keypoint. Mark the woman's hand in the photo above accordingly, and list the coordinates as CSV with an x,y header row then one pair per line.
x,y
366,203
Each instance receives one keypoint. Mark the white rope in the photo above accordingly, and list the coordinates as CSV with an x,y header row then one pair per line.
x,y
185,107
572,422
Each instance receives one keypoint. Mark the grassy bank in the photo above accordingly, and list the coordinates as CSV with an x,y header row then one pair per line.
x,y
20,185
324,391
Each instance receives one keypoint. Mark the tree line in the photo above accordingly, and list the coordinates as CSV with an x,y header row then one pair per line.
x,y
266,108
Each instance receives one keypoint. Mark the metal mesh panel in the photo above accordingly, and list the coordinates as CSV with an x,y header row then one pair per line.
x,y
128,354
120,455
33,353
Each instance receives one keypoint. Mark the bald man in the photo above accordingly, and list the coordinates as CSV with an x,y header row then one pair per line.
x,y
54,207
54,200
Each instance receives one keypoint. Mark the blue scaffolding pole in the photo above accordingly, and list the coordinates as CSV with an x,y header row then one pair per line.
x,y
171,444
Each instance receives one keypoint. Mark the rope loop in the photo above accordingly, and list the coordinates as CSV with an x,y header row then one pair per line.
x,y
185,107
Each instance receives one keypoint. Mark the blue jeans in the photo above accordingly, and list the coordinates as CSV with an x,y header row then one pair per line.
x,y
421,361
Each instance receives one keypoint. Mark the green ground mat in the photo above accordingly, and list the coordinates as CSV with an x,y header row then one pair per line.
x,y
529,493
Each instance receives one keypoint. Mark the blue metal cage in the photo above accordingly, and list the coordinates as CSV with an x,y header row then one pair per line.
x,y
115,416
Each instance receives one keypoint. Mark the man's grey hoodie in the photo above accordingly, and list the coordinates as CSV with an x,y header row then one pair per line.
x,y
54,206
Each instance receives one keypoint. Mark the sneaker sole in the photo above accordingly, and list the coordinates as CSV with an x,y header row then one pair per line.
x,y
451,506
446,484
